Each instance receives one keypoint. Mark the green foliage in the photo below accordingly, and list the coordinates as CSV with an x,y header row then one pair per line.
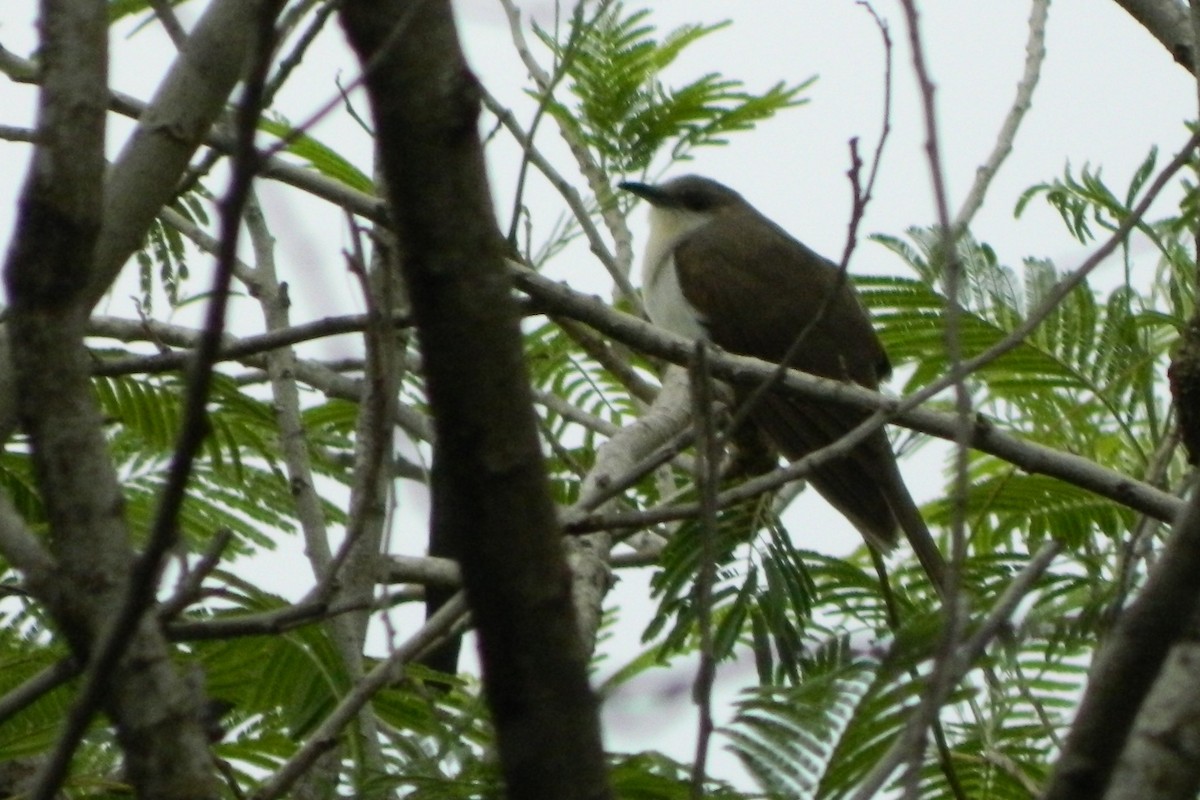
x,y
21,658
762,588
839,675
119,9
841,664
317,155
239,484
653,776
164,247
1088,197
622,110
1091,362
280,687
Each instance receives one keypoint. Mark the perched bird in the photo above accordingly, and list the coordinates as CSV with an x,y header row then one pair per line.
x,y
717,269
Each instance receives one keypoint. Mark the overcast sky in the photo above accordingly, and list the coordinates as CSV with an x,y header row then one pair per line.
x,y
1108,93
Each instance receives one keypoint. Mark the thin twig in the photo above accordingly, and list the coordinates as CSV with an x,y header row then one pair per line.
x,y
273,299
322,377
575,519
190,583
545,99
1035,53
293,60
232,349
708,459
954,610
280,620
861,196
170,22
372,428
564,188
14,133
28,692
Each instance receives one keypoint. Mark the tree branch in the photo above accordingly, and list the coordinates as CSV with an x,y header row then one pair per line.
x,y
47,274
488,473
194,93
1167,21
1128,664
1032,457
1035,54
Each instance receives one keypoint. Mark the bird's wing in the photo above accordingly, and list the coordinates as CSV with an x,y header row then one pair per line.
x,y
742,255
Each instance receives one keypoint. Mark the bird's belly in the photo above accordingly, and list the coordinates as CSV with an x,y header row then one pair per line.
x,y
665,304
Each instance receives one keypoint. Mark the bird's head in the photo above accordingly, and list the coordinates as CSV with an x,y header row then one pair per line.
x,y
689,193
681,205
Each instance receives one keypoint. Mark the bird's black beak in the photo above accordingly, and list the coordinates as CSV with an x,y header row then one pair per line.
x,y
651,194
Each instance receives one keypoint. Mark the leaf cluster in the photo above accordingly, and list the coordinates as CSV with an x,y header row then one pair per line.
x,y
623,111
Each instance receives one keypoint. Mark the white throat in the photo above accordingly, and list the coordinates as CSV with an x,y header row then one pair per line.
x,y
665,304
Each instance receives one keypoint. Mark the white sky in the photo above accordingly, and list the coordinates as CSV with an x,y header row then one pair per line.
x,y
1108,93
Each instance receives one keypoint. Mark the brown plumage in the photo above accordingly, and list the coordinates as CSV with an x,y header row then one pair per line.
x,y
716,267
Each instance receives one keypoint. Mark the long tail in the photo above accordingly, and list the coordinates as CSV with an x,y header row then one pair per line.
x,y
913,524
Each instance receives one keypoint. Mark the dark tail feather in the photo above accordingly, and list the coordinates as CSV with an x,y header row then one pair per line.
x,y
913,525
866,486
849,484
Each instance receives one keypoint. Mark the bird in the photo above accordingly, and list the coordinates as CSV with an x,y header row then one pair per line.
x,y
717,269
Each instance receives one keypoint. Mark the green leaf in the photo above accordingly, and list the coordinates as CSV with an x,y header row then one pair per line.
x,y
622,109
316,154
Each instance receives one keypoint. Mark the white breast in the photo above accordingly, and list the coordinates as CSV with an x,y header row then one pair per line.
x,y
665,304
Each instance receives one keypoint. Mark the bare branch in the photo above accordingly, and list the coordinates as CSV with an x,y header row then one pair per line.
x,y
954,606
170,22
232,349
11,133
281,368
190,98
1167,21
1162,750
620,462
1032,457
311,373
561,185
39,685
22,549
1035,53
191,581
281,620
423,570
